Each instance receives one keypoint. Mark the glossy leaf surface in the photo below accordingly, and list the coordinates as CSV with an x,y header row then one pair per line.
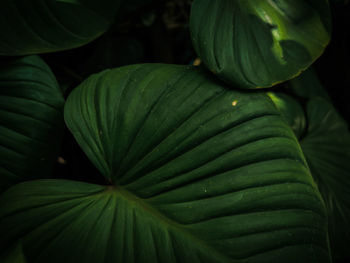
x,y
31,120
207,174
40,26
259,43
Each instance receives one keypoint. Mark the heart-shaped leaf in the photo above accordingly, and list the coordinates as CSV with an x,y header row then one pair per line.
x,y
259,43
31,120
40,26
173,137
200,174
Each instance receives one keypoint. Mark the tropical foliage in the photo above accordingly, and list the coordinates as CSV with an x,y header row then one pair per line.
x,y
192,163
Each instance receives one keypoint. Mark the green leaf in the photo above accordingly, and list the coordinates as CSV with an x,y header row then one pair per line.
x,y
291,110
207,174
326,146
259,43
40,26
66,221
31,120
327,150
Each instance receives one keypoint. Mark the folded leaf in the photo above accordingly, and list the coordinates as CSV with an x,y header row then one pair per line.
x,y
259,43
327,150
31,120
201,174
40,26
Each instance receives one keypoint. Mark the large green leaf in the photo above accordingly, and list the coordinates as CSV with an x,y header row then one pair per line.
x,y
222,166
31,120
66,221
327,150
200,174
259,43
39,26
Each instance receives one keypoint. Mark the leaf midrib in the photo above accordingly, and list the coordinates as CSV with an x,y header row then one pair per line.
x,y
168,223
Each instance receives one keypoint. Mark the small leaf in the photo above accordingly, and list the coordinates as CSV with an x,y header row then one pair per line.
x,y
259,43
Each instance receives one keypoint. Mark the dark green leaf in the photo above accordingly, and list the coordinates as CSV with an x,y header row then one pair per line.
x,y
66,221
259,43
327,150
31,120
39,26
206,174
326,146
